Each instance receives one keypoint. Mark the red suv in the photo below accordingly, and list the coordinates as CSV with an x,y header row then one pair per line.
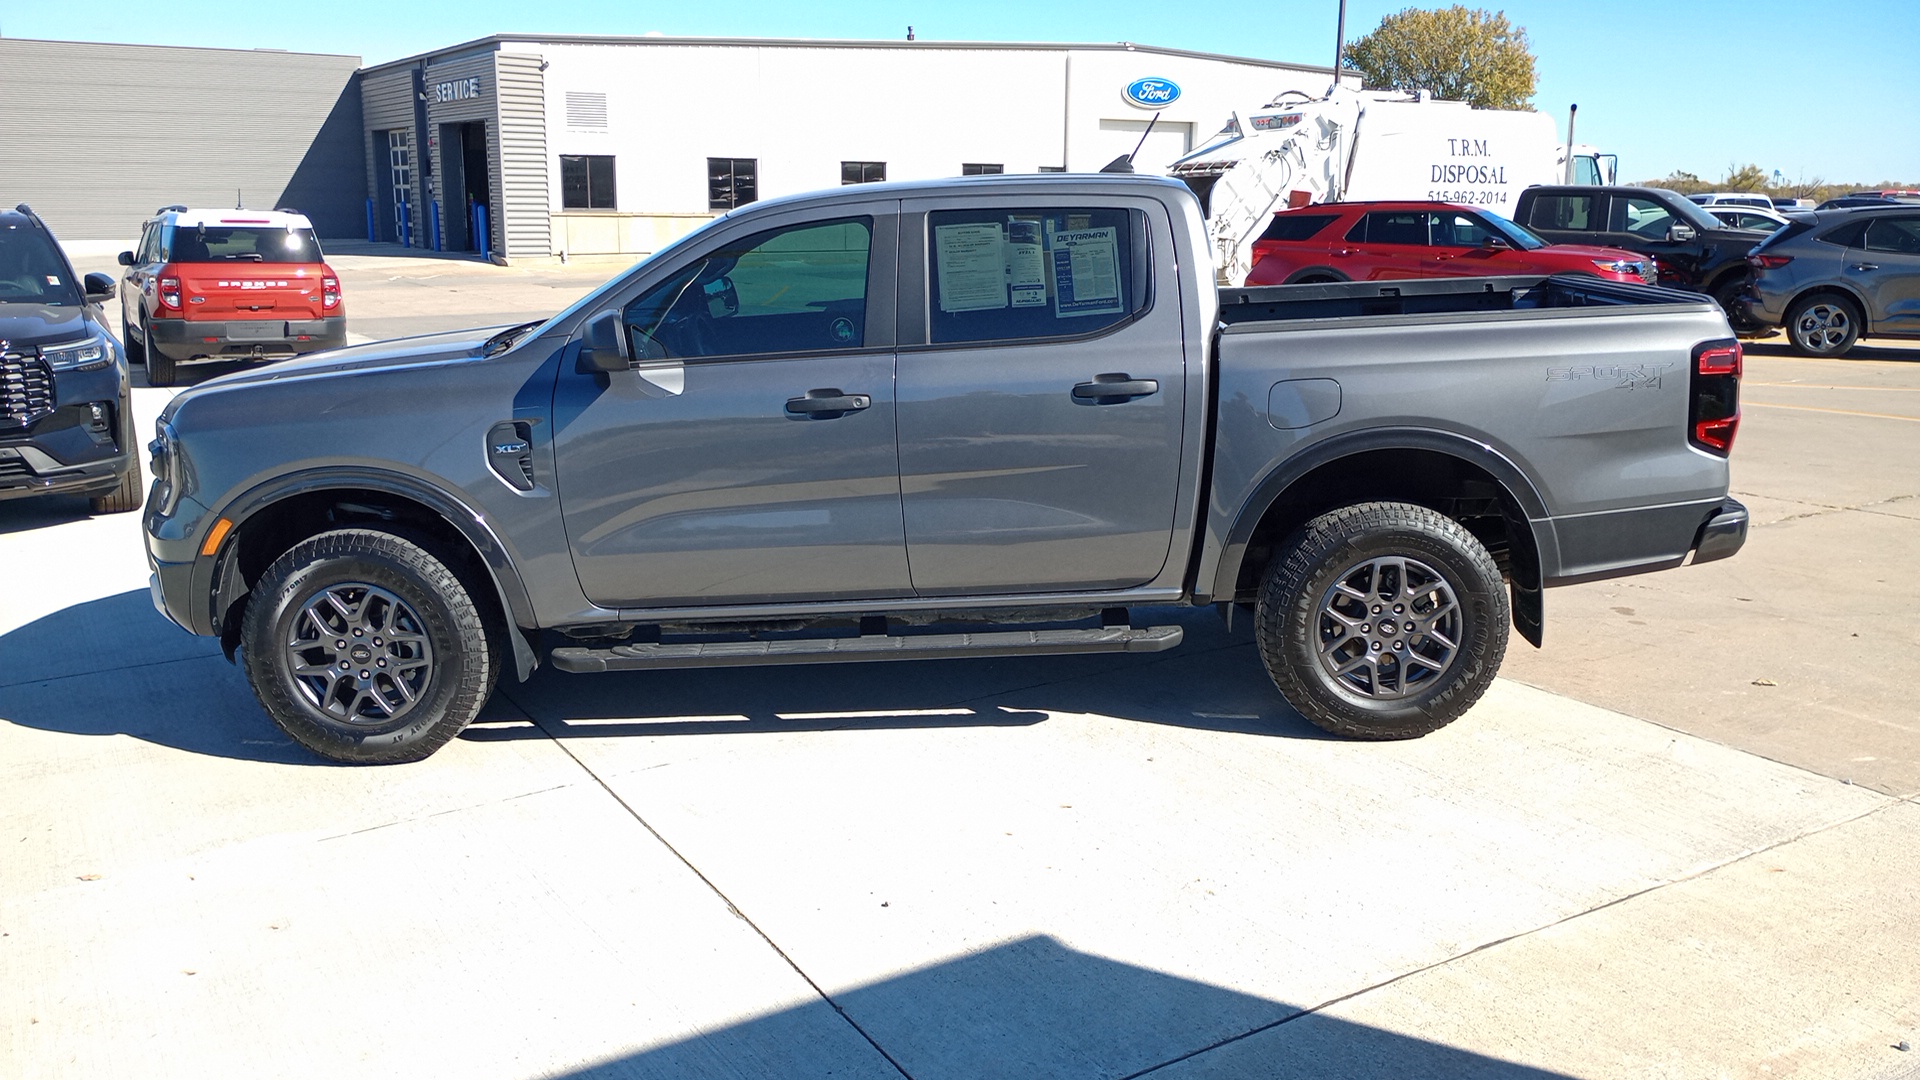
x,y
1370,241
227,285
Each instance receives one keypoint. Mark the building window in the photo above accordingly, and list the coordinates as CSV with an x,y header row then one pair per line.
x,y
973,168
732,182
586,110
586,181
1053,168
862,172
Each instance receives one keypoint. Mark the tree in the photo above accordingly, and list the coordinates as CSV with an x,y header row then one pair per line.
x,y
1466,55
1744,178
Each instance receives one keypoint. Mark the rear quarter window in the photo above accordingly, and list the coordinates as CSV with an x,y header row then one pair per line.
x,y
1296,227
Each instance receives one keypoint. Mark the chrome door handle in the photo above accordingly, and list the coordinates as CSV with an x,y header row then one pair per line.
x,y
825,405
1112,389
1864,266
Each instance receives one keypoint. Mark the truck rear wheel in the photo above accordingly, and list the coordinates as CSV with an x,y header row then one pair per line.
x,y
1382,621
367,649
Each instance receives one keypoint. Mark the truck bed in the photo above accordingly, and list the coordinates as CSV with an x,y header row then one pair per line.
x,y
1436,296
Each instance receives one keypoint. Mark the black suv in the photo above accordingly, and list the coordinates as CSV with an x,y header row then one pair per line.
x,y
66,417
1693,250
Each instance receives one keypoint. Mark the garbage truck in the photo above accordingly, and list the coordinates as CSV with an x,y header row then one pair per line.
x,y
1354,145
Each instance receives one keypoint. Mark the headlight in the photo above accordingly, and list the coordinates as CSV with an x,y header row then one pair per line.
x,y
1625,266
89,355
164,461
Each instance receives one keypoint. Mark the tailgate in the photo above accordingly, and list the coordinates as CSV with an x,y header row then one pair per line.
x,y
251,291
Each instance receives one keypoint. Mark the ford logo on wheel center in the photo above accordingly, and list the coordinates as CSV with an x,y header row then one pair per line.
x,y
1152,93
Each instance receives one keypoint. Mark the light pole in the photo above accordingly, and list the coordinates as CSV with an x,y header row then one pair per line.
x,y
1339,42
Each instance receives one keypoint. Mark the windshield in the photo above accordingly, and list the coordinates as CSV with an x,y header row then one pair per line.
x,y
31,269
1695,215
1517,235
226,243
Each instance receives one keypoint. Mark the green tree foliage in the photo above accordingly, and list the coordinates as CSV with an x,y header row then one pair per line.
x,y
1458,53
1745,178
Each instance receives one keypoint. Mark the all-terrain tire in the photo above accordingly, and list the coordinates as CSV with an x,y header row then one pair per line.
x,y
367,649
1382,621
160,368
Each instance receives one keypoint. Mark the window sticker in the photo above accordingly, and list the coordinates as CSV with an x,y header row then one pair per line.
x,y
1086,272
1026,263
53,279
972,265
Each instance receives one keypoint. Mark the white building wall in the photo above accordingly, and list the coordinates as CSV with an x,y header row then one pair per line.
x,y
801,109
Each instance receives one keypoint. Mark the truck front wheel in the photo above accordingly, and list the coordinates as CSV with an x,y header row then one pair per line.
x,y
1382,621
366,649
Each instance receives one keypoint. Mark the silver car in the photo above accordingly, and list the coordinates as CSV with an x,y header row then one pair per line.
x,y
1832,276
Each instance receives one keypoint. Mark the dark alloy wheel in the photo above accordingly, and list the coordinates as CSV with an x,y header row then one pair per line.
x,y
1823,325
1382,621
365,648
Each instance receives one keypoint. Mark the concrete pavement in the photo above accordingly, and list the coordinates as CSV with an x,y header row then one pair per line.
x,y
1066,867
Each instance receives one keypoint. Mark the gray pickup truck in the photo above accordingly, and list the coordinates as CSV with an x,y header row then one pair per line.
x,y
985,417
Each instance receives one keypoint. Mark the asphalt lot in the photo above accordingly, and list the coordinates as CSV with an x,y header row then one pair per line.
x,y
1679,841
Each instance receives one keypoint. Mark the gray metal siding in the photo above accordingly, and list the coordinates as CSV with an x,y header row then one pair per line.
x,y
455,111
386,103
96,137
520,163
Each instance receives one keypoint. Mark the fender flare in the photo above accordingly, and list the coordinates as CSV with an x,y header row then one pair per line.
x,y
501,572
1845,289
1528,570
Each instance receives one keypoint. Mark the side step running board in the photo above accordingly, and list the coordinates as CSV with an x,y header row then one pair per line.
x,y
869,647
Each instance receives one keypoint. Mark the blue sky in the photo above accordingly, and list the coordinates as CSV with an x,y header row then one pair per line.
x,y
1812,90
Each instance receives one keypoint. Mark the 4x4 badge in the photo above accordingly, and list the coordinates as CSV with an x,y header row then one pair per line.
x,y
1623,376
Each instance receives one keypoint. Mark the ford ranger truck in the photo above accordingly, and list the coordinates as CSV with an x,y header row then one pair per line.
x,y
991,416
227,285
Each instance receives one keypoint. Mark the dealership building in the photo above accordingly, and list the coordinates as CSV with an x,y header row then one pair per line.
x,y
529,147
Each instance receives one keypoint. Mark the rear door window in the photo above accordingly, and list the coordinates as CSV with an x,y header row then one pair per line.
x,y
1022,273
1895,235
1562,212
1406,227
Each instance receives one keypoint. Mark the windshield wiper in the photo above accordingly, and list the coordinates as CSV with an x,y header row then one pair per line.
x,y
504,340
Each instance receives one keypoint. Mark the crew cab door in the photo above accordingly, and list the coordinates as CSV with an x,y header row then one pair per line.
x,y
748,454
1885,267
1462,246
1386,245
1041,395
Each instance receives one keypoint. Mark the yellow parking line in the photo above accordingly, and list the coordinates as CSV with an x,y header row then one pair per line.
x,y
1836,412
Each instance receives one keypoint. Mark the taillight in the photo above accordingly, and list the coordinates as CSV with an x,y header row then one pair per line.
x,y
1768,262
1714,416
170,292
329,292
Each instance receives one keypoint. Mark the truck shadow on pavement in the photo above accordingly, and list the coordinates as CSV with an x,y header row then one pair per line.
x,y
114,667
1032,1007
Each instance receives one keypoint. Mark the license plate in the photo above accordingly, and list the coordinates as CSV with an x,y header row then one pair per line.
x,y
256,331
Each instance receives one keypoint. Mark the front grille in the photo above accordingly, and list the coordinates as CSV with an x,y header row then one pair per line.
x,y
12,468
26,389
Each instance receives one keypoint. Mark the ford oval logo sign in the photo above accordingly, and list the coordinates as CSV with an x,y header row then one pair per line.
x,y
1152,93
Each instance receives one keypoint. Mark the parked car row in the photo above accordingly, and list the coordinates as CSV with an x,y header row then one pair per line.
x,y
1828,277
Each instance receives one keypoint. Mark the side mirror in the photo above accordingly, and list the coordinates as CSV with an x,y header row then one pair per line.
x,y
603,346
98,287
1679,234
1496,243
126,258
